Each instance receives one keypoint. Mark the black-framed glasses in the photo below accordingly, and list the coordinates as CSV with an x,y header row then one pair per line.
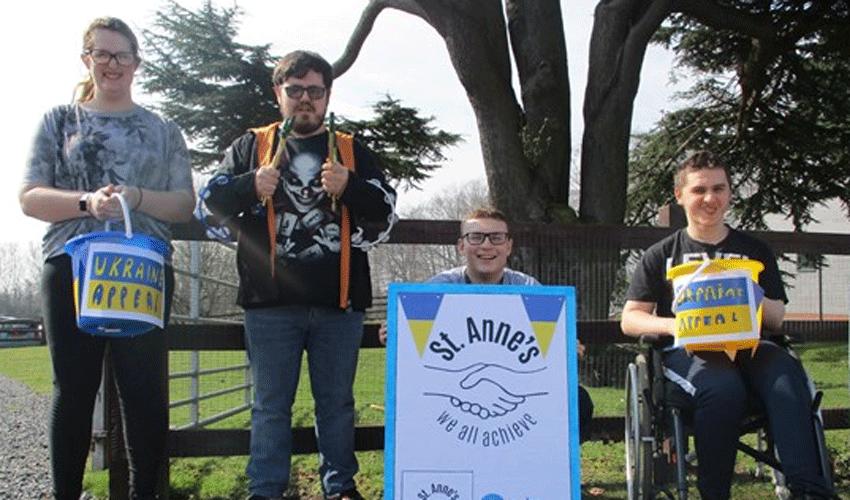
x,y
498,238
101,56
314,92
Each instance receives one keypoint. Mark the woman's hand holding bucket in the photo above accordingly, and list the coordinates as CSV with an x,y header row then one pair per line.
x,y
105,203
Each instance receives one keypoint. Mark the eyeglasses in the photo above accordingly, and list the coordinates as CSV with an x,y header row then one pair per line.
x,y
314,92
478,238
105,57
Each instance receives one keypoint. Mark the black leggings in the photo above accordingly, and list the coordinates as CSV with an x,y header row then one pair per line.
x,y
77,362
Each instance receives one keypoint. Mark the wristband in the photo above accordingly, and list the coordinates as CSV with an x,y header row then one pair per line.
x,y
141,197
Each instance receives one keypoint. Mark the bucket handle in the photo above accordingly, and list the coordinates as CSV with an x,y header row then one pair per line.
x,y
128,225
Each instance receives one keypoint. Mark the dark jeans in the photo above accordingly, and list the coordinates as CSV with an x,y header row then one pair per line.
x,y
77,358
718,389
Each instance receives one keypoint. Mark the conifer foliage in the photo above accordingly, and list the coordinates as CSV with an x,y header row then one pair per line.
x,y
216,88
213,87
774,106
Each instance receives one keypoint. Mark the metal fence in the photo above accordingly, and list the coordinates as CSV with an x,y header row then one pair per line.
x,y
222,382
215,386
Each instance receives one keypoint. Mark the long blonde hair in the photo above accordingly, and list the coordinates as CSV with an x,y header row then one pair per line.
x,y
84,91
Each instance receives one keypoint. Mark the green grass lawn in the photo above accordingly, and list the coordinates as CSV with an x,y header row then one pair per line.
x,y
30,365
217,478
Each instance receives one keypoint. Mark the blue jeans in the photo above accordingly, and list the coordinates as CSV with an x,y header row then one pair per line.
x,y
275,339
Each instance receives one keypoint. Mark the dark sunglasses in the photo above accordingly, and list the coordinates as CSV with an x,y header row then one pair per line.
x,y
314,92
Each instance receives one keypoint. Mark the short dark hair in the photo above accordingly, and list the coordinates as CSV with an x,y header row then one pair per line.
x,y
298,63
699,161
486,213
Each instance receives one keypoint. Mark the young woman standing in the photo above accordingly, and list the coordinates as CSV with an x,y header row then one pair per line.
x,y
83,157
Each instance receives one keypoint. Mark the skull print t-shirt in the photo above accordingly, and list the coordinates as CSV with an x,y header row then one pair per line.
x,y
307,227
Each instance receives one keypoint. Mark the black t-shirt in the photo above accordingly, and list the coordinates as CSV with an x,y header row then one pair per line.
x,y
308,229
649,282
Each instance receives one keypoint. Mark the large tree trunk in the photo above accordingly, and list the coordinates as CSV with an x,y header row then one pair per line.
x,y
537,41
527,153
476,40
621,33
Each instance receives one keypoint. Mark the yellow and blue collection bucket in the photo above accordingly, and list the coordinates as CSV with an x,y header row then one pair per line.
x,y
717,304
119,280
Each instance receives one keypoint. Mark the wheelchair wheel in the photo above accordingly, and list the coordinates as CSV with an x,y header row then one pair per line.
x,y
638,437
820,438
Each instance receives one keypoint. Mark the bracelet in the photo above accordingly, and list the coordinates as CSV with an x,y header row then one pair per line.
x,y
141,197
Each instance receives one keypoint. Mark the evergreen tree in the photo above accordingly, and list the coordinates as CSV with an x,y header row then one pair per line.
x,y
215,89
776,109
407,144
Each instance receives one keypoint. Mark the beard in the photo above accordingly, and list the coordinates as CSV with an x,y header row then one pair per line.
x,y
306,121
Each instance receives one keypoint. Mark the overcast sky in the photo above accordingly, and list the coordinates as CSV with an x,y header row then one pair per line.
x,y
403,56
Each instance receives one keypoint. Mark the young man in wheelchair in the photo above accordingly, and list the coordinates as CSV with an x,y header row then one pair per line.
x,y
717,385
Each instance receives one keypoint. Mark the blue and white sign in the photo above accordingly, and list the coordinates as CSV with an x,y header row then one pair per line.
x,y
481,393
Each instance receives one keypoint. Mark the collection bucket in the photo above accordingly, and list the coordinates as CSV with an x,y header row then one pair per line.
x,y
119,281
717,304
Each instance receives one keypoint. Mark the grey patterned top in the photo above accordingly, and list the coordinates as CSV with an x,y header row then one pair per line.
x,y
81,149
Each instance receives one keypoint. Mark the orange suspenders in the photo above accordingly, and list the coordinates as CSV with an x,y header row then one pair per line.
x,y
345,144
265,144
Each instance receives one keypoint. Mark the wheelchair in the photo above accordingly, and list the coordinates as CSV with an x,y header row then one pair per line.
x,y
656,433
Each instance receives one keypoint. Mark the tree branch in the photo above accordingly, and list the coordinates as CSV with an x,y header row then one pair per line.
x,y
752,71
638,38
364,27
632,23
